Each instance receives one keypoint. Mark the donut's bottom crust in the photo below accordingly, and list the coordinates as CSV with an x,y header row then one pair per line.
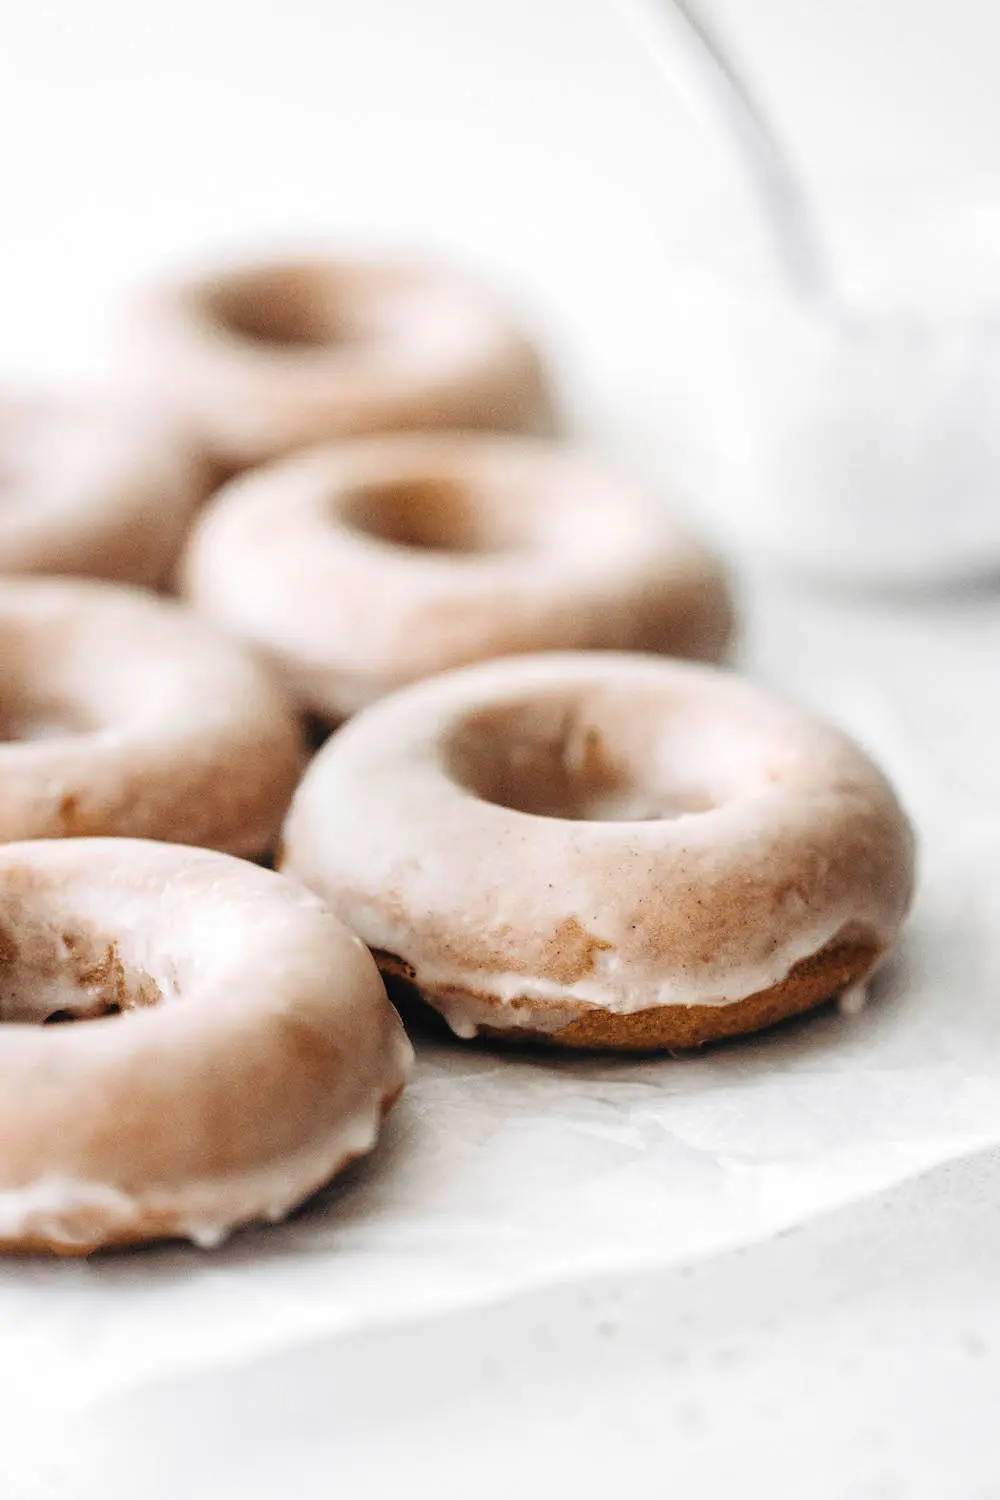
x,y
163,1227
670,1028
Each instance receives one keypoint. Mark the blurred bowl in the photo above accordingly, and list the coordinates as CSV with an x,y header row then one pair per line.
x,y
861,442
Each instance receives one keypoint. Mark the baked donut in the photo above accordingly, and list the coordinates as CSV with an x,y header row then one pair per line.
x,y
90,486
366,565
123,713
602,850
240,1051
261,359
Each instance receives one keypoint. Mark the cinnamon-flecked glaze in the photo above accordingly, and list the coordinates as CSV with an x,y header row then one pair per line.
x,y
94,487
362,566
123,713
262,359
605,849
233,1046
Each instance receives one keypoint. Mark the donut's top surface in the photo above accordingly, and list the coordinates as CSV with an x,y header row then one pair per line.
x,y
364,565
233,1044
94,486
124,713
267,357
624,831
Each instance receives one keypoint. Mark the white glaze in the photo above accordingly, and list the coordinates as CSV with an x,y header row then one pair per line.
x,y
63,1211
92,487
853,1000
603,994
154,725
387,345
555,552
802,840
265,1071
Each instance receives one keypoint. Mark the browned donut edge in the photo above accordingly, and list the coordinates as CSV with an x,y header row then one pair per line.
x,y
158,1229
672,1028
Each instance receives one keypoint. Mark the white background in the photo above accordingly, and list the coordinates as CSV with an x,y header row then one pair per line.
x,y
534,138
857,1356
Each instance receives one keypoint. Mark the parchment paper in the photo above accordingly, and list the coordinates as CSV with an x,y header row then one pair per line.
x,y
502,1170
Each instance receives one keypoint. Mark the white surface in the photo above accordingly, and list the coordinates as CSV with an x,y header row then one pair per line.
x,y
503,1175
855,1357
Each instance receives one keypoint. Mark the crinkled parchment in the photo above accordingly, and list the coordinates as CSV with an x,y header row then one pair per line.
x,y
503,1170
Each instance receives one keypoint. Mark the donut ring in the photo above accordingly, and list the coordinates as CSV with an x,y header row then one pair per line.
x,y
367,565
266,358
90,487
122,713
240,1049
605,850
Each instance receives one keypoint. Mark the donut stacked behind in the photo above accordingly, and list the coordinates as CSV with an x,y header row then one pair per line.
x,y
363,566
91,485
122,713
262,359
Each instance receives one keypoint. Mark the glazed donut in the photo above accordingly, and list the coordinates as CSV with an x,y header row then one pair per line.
x,y
88,486
604,850
265,358
366,565
240,1051
122,713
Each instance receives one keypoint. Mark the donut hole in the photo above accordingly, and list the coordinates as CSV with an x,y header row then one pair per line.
x,y
286,307
554,759
427,513
50,975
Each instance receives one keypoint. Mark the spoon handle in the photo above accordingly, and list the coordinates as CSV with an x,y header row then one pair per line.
x,y
777,185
